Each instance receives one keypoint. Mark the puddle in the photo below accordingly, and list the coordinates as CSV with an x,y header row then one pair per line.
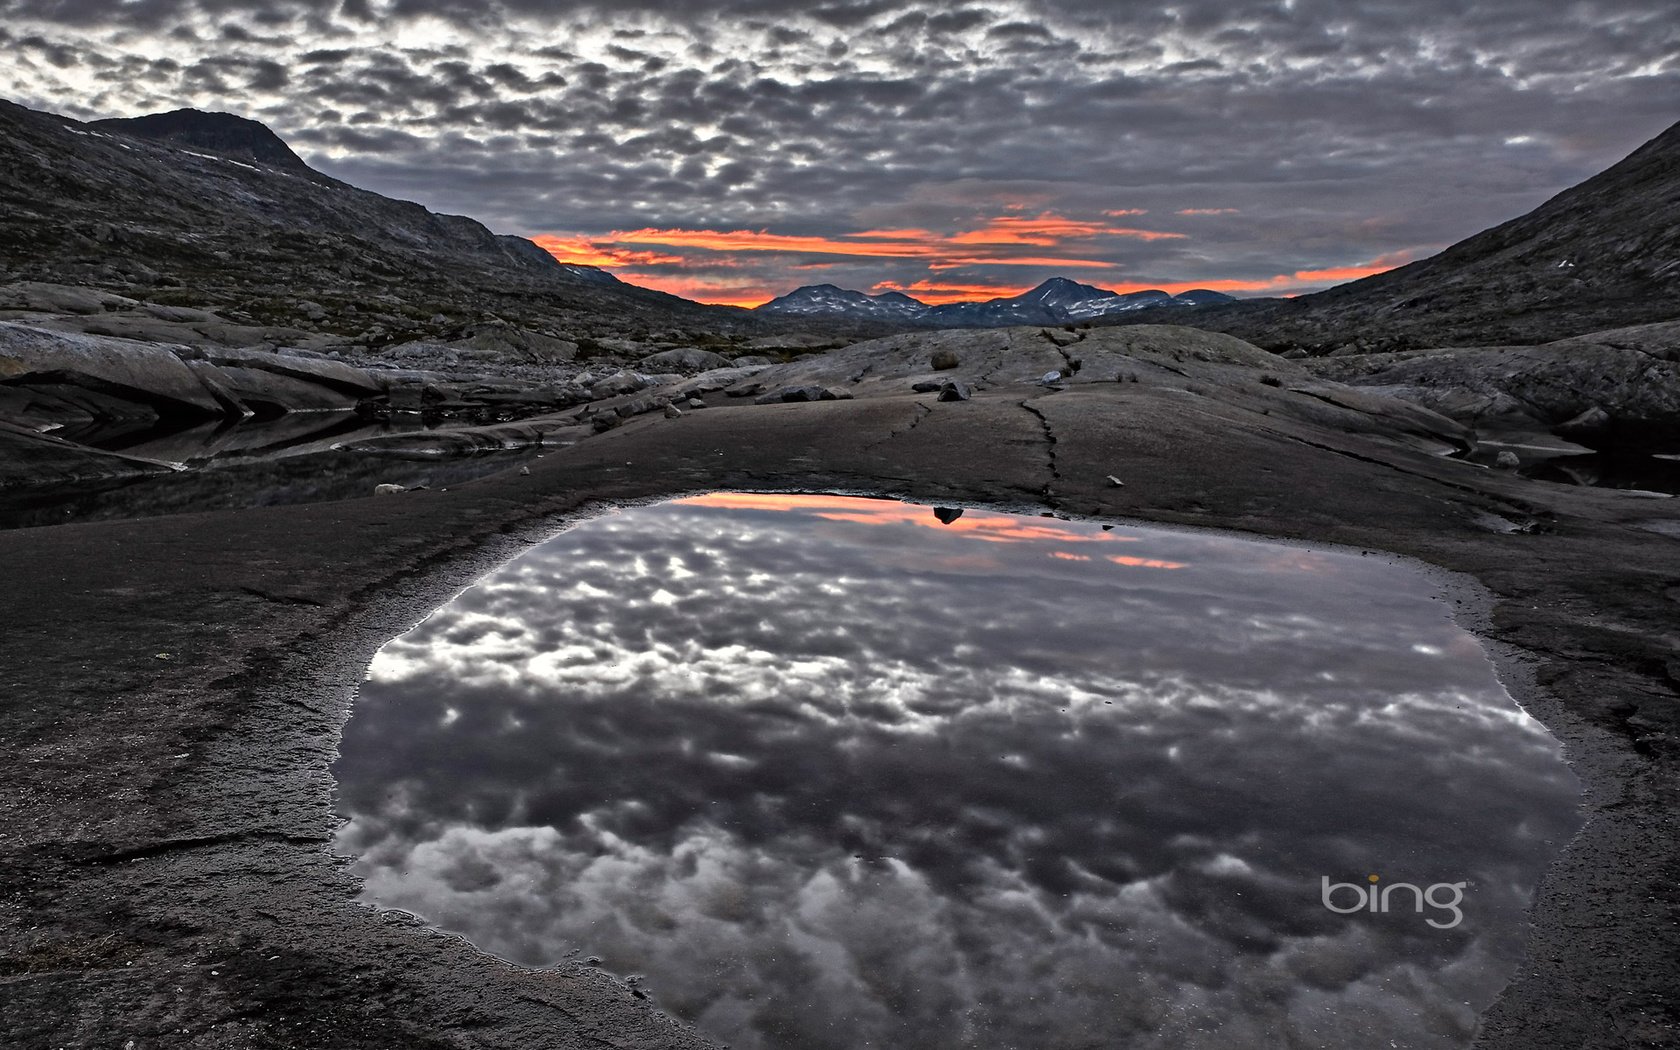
x,y
1567,464
1639,473
811,771
255,463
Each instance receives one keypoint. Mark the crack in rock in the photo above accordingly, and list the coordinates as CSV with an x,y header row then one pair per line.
x,y
1050,447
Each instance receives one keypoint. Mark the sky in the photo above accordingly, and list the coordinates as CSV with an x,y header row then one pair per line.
x,y
732,150
830,772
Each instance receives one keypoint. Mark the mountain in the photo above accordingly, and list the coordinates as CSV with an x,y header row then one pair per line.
x,y
215,211
1055,302
223,133
830,301
1604,254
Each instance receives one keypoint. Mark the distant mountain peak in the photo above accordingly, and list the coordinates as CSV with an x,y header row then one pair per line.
x,y
1056,301
225,133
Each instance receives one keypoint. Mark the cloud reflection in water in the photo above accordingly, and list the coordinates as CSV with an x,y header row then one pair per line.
x,y
832,773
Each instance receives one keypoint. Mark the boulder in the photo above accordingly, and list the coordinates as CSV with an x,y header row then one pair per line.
x,y
685,359
617,384
139,372
500,341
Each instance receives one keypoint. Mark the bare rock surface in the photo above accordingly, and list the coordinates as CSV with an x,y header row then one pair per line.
x,y
179,684
1627,381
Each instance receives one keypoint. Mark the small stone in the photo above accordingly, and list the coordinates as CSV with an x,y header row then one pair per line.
x,y
1507,460
524,472
946,515
953,391
927,386
944,360
673,412
1116,482
1050,379
388,490
695,402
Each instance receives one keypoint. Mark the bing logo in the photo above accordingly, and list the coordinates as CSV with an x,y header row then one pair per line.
x,y
1381,900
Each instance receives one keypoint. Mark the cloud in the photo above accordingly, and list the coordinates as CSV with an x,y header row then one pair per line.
x,y
817,765
1334,133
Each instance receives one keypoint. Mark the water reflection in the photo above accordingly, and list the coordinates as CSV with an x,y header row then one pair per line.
x,y
838,773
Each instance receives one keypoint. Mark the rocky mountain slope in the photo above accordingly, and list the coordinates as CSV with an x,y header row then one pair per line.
x,y
1604,254
221,133
1056,301
214,211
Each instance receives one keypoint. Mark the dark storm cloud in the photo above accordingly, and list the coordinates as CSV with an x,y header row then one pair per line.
x,y
1339,132
960,759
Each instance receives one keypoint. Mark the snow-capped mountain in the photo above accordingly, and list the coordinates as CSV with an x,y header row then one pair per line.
x,y
1056,301
827,300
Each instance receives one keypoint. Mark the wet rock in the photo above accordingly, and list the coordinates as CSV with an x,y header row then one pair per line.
x,y
29,458
954,391
543,432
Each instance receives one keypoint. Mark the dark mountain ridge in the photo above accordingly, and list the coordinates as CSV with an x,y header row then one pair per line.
x,y
215,210
224,133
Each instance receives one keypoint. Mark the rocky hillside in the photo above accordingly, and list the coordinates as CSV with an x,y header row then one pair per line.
x,y
1601,255
213,211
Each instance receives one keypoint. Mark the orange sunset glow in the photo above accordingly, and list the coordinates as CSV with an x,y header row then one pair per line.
x,y
747,268
978,525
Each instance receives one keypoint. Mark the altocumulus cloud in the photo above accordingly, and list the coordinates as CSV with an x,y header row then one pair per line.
x,y
1286,145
